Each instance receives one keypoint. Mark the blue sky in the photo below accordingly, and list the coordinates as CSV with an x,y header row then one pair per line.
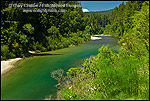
x,y
100,5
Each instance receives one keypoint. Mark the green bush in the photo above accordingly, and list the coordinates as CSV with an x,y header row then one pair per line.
x,y
5,54
43,49
53,30
38,46
68,94
28,28
122,77
72,72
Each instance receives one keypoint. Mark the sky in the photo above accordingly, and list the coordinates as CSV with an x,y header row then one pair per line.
x,y
99,5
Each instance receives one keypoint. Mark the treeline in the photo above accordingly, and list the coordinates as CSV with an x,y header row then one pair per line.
x,y
107,12
24,31
112,76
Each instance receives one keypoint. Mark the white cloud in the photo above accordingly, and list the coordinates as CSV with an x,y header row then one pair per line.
x,y
85,10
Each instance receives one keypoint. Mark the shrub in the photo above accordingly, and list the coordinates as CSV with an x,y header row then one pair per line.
x,y
53,30
43,49
72,72
28,28
5,54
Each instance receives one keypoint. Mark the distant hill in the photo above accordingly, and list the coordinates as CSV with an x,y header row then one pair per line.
x,y
107,12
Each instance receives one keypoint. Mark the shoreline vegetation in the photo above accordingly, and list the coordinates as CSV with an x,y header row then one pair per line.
x,y
10,64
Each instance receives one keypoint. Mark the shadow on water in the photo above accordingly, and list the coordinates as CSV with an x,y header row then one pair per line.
x,y
37,54
44,54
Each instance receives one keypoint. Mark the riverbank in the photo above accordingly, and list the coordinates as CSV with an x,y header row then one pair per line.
x,y
8,65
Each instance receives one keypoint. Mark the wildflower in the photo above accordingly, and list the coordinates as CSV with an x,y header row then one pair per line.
x,y
92,89
69,96
70,87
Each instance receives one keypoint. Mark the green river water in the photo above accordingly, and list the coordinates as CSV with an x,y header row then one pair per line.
x,y
31,80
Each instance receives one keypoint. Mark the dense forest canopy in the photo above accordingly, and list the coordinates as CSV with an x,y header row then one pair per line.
x,y
24,31
132,26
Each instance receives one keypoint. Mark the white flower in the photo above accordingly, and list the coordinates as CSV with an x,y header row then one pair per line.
x,y
70,87
69,96
92,89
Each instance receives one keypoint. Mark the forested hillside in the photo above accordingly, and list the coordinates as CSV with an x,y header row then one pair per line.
x,y
24,31
112,76
132,26
97,23
107,12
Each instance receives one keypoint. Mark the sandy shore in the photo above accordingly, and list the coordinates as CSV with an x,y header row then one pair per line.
x,y
95,38
8,64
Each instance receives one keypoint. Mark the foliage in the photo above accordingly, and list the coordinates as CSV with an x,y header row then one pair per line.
x,y
121,20
5,54
22,31
96,23
72,71
137,39
38,46
53,30
28,28
109,76
120,76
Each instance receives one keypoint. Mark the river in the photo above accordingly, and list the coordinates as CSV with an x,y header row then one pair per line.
x,y
31,80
